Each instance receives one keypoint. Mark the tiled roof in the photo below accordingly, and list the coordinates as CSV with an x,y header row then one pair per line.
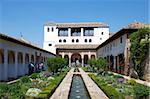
x,y
81,24
22,42
137,25
79,46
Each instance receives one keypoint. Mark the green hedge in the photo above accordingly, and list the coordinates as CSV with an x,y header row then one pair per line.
x,y
111,92
49,90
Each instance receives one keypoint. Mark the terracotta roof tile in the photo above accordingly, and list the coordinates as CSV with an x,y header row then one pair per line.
x,y
81,24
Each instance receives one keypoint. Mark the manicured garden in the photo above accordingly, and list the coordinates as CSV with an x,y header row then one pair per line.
x,y
37,85
117,87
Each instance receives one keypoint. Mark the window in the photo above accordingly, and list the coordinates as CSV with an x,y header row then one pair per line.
x,y
102,33
100,38
120,39
77,40
90,40
63,32
85,40
88,32
72,40
64,40
48,29
52,29
49,44
60,40
75,31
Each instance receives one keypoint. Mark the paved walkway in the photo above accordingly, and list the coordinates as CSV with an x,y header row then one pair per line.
x,y
62,92
94,91
137,80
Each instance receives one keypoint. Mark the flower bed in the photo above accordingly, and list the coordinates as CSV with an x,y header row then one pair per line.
x,y
38,85
116,87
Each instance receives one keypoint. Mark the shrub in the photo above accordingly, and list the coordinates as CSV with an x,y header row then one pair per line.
x,y
25,79
110,91
141,91
118,76
131,82
34,75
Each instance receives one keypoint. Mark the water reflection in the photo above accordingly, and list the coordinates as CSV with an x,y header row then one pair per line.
x,y
78,90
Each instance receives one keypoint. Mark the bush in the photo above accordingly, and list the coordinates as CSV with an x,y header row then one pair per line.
x,y
118,76
25,79
110,91
131,82
141,91
34,75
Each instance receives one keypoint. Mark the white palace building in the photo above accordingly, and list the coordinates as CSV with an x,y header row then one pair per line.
x,y
75,41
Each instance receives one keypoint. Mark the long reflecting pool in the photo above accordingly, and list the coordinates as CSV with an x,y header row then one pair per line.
x,y
78,89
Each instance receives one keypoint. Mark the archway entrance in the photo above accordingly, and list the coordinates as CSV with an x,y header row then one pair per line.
x,y
76,59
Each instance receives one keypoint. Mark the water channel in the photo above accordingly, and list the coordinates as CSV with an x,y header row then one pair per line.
x,y
78,89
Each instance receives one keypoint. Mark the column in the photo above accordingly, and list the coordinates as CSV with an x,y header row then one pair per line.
x,y
62,54
89,55
117,64
69,59
82,57
114,67
16,64
69,32
5,64
82,31
23,64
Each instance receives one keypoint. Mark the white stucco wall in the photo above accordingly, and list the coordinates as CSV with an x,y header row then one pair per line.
x,y
53,38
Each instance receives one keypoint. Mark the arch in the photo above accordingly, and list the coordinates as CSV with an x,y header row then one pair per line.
x,y
20,58
76,58
32,58
85,59
1,56
93,56
27,58
67,58
11,57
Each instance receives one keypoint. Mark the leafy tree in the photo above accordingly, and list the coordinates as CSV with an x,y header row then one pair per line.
x,y
139,48
101,64
56,63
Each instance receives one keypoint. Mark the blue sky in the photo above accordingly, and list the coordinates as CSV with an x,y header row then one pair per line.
x,y
29,16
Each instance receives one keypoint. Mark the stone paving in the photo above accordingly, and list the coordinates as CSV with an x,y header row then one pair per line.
x,y
62,92
137,80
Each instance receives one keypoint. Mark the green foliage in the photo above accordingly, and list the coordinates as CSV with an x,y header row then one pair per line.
x,y
141,91
34,75
110,91
52,86
100,63
56,63
131,82
139,48
25,79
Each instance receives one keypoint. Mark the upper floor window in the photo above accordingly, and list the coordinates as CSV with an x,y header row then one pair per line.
x,y
63,32
52,29
72,40
75,31
85,40
88,32
120,39
77,40
90,40
102,33
49,44
60,40
48,29
64,40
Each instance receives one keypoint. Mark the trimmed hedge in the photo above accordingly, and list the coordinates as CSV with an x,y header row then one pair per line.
x,y
49,90
111,92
